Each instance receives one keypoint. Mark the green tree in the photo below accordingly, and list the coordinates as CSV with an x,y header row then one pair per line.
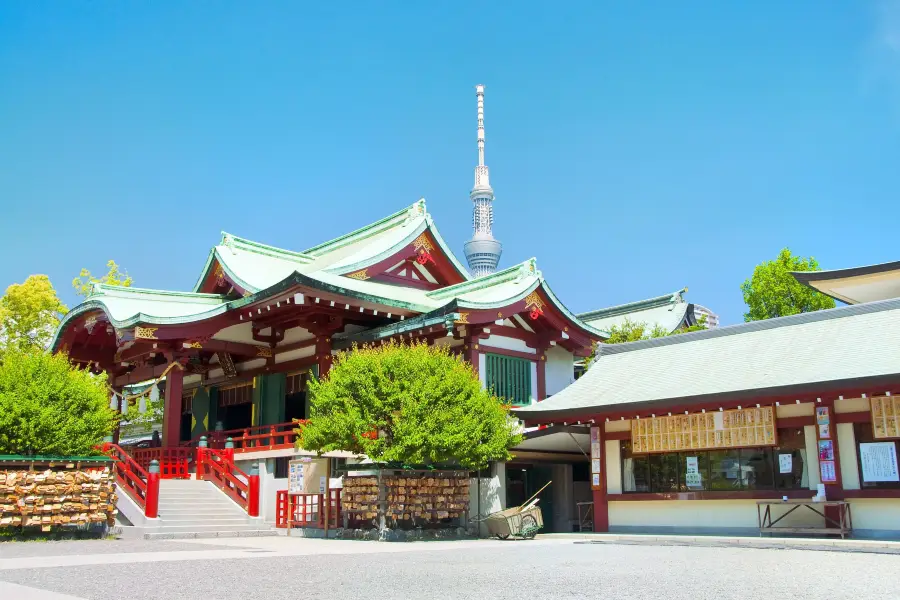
x,y
114,276
773,292
29,314
47,406
412,404
631,331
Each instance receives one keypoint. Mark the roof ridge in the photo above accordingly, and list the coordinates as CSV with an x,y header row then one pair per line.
x,y
229,240
619,309
103,287
414,210
840,312
515,272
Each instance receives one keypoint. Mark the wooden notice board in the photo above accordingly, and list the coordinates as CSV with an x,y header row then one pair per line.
x,y
704,431
885,417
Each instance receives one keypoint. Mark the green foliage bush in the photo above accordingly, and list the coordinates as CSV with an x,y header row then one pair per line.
x,y
49,407
412,404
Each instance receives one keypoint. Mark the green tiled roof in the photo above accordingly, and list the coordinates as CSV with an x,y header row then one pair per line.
x,y
263,270
855,345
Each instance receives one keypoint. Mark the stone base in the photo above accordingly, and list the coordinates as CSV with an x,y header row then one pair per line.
x,y
402,535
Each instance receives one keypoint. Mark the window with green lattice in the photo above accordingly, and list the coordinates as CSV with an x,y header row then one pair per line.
x,y
509,378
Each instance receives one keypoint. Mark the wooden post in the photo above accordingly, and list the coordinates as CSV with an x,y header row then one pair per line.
x,y
541,374
601,504
253,490
201,457
327,510
833,490
151,500
172,408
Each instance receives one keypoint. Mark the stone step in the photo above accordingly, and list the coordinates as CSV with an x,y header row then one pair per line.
x,y
202,526
203,511
183,535
203,519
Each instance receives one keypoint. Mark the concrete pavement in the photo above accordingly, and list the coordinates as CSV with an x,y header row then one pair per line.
x,y
549,568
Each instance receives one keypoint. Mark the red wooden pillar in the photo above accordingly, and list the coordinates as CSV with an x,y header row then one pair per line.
x,y
151,500
541,375
253,491
171,429
323,355
833,490
471,353
601,504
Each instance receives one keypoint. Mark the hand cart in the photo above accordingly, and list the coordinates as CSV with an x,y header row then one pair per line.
x,y
521,521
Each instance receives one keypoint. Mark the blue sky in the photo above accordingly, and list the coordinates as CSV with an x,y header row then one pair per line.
x,y
634,147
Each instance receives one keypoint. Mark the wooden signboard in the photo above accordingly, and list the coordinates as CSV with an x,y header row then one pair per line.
x,y
704,431
885,417
596,457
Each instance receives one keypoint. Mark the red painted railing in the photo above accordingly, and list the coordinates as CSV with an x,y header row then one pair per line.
x,y
174,463
307,510
252,439
140,485
217,466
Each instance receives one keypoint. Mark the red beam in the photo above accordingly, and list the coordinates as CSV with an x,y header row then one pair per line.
x,y
505,352
853,417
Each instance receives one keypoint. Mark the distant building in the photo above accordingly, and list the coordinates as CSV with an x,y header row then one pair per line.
x,y
669,312
712,319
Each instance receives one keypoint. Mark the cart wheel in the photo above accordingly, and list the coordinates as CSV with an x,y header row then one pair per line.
x,y
529,527
502,536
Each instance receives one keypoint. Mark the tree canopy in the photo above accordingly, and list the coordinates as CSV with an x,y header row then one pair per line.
x,y
114,276
413,404
29,315
49,407
773,292
634,331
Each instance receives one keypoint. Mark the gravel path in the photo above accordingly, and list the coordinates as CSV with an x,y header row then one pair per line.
x,y
32,549
516,571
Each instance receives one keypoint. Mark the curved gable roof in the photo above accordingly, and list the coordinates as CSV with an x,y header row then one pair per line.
x,y
669,311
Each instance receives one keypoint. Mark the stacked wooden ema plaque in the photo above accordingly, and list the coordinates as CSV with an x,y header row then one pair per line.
x,y
52,498
431,498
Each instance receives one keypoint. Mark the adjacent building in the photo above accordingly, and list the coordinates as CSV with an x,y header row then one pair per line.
x,y
780,407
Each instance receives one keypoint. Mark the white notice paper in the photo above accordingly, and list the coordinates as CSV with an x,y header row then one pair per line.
x,y
692,477
785,463
719,421
295,477
595,465
322,481
691,463
879,461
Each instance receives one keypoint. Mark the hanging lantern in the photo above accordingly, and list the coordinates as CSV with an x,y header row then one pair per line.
x,y
142,404
113,403
154,393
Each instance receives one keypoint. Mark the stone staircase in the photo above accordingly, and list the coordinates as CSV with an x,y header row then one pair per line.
x,y
197,509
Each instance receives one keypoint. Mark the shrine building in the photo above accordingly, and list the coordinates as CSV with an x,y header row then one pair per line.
x,y
261,320
782,426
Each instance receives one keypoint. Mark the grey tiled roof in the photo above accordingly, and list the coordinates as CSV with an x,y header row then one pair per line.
x,y
859,343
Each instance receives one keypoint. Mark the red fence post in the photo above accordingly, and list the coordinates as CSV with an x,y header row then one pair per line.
x,y
229,450
151,509
201,456
253,491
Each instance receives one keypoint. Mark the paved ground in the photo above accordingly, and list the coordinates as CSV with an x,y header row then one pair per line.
x,y
283,568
